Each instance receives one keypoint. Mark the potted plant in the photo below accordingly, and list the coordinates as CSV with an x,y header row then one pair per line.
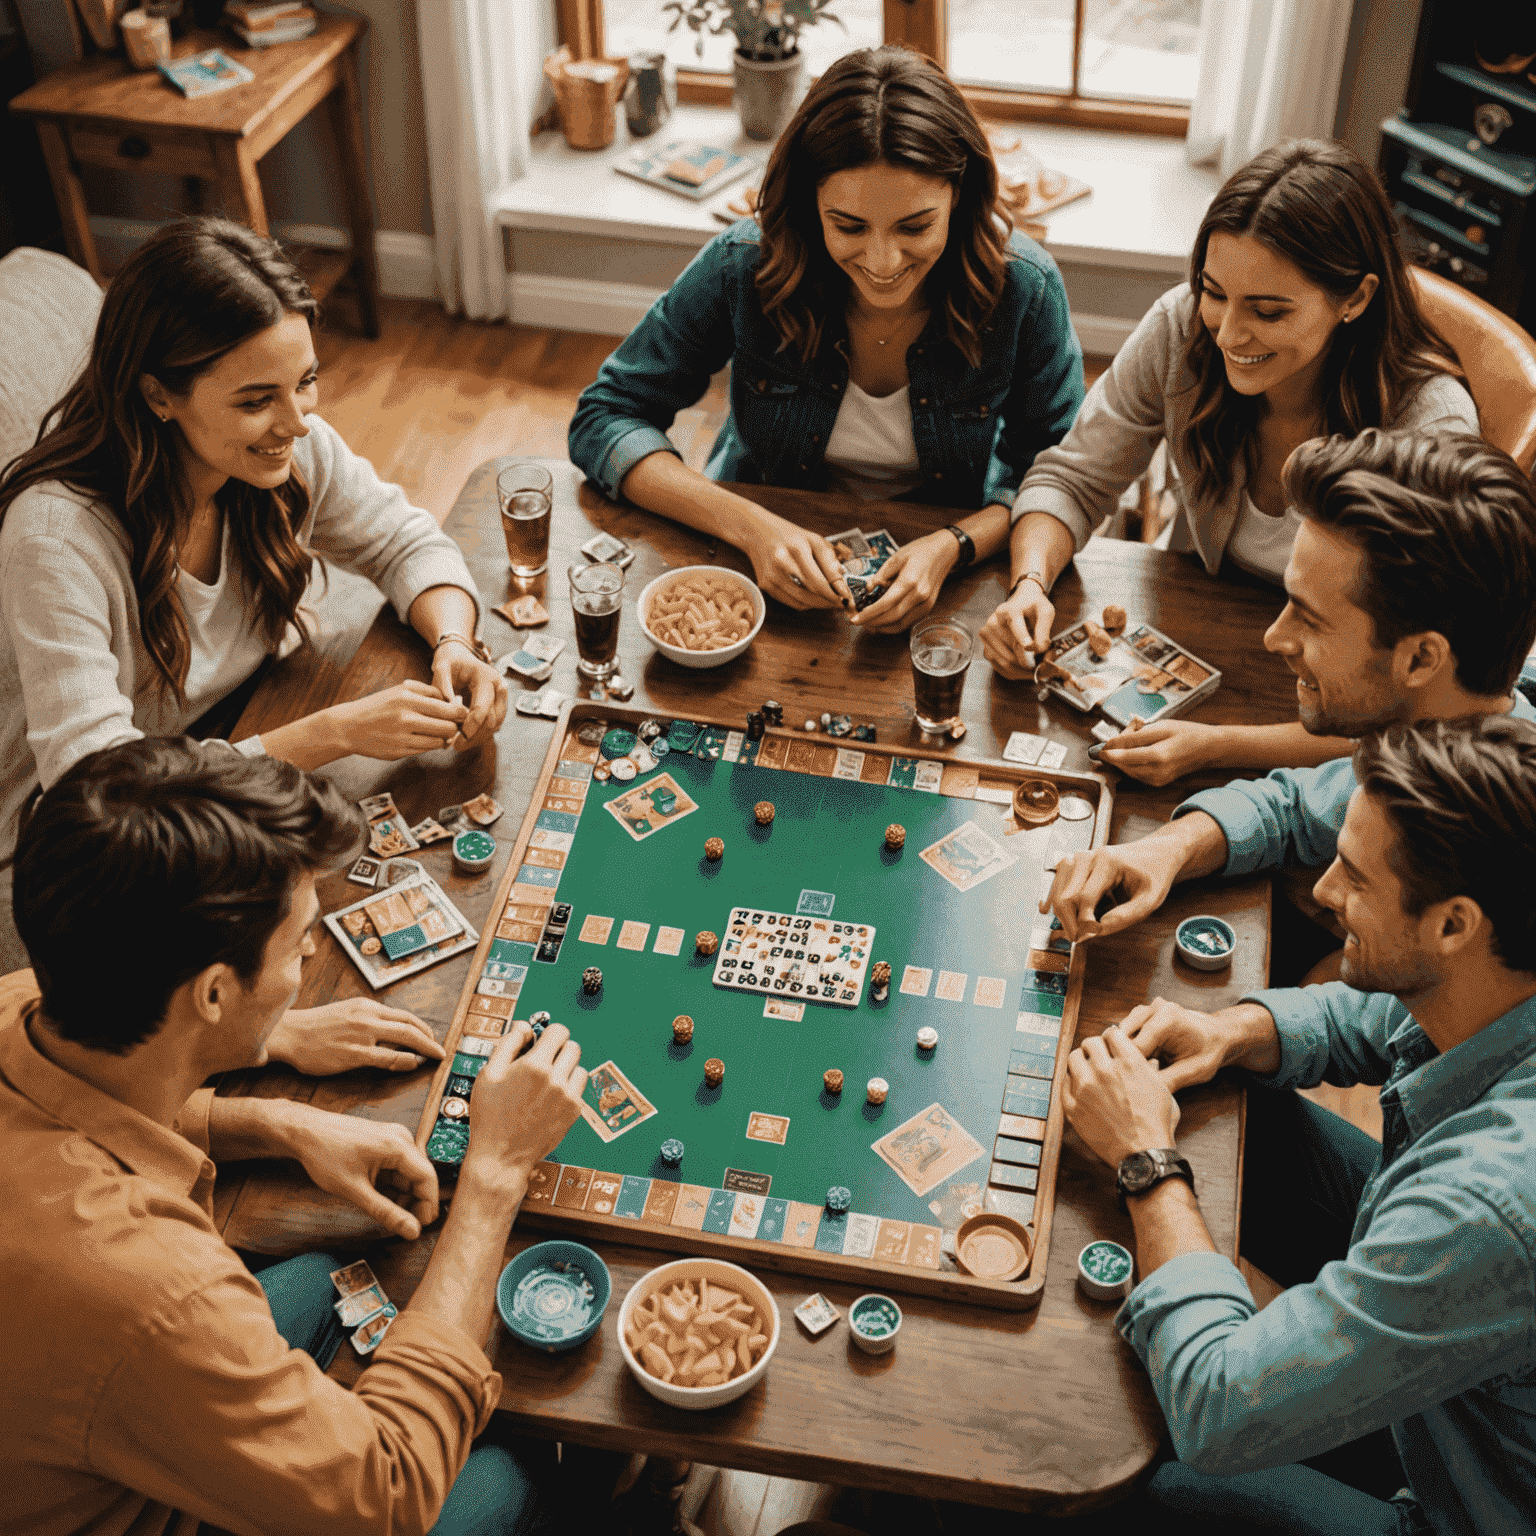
x,y
768,60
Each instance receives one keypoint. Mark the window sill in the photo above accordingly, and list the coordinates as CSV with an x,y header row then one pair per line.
x,y
1142,215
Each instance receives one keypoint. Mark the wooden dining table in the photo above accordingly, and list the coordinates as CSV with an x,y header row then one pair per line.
x,y
1045,1410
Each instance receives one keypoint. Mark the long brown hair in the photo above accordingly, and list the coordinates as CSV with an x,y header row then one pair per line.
x,y
876,106
191,293
1319,206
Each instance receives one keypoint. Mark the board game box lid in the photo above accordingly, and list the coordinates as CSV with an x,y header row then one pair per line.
x,y
1143,674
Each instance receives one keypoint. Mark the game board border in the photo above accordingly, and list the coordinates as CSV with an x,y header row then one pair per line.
x,y
1019,1295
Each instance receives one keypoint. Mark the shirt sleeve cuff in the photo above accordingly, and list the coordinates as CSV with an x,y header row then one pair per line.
x,y
1201,1288
1305,1048
1239,820
640,442
438,566
192,1120
1045,498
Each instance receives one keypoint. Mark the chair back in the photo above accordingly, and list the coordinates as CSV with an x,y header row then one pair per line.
x,y
1498,358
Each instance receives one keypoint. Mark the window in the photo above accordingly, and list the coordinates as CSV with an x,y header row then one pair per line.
x,y
1128,64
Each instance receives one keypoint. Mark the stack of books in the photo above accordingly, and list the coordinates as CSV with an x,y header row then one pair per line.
x,y
261,23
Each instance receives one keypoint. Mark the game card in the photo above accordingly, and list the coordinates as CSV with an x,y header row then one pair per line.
x,y
429,831
416,901
632,935
928,1149
765,1127
646,808
817,1314
611,1104
1024,748
371,1334
782,1008
360,1306
967,856
990,991
354,1278
928,776
669,941
365,872
815,904
951,987
595,929
850,764
389,836
915,980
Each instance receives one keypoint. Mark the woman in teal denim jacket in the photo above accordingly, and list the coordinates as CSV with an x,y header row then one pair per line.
x,y
878,261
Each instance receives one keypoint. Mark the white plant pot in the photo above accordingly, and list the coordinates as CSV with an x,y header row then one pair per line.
x,y
767,93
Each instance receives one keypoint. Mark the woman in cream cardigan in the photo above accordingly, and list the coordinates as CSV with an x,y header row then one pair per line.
x,y
1299,320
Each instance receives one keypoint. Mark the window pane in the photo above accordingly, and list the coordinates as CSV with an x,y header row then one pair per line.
x,y
1015,44
1144,50
631,26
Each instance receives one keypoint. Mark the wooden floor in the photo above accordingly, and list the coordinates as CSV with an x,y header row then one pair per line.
x,y
429,401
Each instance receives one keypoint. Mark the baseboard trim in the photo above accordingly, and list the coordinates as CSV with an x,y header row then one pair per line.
x,y
577,303
1102,335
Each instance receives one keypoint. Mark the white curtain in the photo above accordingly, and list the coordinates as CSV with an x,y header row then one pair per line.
x,y
481,75
1269,70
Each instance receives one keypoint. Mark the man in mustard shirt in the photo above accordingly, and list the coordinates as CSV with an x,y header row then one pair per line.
x,y
165,891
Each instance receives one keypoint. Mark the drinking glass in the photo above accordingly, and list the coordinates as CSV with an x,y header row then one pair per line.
x,y
525,493
941,656
597,591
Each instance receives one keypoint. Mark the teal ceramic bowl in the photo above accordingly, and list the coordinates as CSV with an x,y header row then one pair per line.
x,y
552,1296
1205,942
473,851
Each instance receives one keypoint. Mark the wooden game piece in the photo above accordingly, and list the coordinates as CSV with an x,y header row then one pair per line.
x,y
927,1038
682,1029
1114,618
370,946
707,943
714,1072
895,836
763,811
832,1080
1098,642
1036,802
592,981
876,1090
880,980
714,849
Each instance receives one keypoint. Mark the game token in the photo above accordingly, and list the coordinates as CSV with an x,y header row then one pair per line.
x,y
672,1151
840,725
880,980
617,687
839,1198
773,712
623,769
370,946
1114,618
927,1038
873,1323
616,743
682,1029
365,872
714,849
895,836
592,981
810,725
832,1080
714,1071
957,730
707,943
756,724
454,1109
1074,808
1036,802
660,747
601,772
474,850
538,1022
876,1089
648,730
865,732
763,811
482,810
1104,1271
642,757
826,717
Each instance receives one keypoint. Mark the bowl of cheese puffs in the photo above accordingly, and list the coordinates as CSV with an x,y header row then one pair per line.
x,y
701,615
697,1333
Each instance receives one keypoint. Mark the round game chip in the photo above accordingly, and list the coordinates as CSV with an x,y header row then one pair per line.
x,y
682,735
876,1089
1104,1270
474,850
616,743
648,730
810,725
714,849
714,1071
993,1247
672,1151
642,757
826,717
623,769
832,1080
927,1038
660,747
592,981
1036,802
601,772
763,812
682,1029
454,1109
839,1198
1075,808
707,943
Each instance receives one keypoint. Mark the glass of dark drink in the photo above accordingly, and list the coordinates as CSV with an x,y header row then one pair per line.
x,y
597,591
941,656
525,493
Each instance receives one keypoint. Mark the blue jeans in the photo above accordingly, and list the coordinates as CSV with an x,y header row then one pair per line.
x,y
493,1496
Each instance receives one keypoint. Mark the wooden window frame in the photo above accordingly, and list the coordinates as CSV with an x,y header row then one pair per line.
x,y
924,25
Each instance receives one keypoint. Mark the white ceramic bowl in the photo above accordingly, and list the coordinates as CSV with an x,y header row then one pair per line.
x,y
701,658
716,1271
873,1343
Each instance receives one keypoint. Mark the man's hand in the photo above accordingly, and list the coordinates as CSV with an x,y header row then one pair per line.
x,y
526,1097
1116,1100
911,579
346,1156
1193,1047
1138,876
359,1032
1161,753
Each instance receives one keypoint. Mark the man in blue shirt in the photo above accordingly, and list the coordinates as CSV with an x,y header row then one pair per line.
x,y
1410,597
1422,1317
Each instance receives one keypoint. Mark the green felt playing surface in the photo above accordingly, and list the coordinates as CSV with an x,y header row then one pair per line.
x,y
827,835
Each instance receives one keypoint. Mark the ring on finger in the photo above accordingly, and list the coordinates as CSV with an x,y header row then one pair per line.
x,y
797,581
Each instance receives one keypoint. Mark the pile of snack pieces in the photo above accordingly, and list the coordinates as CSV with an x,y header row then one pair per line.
x,y
699,612
697,1336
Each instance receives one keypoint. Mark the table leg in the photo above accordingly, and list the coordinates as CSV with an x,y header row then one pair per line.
x,y
345,106
241,186
70,196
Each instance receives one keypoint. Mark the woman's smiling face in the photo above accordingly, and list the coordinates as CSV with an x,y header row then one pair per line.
x,y
885,227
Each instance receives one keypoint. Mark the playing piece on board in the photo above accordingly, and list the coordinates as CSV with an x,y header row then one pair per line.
x,y
927,1038
714,849
763,813
682,1029
707,943
672,1151
1114,618
895,836
876,1090
839,1197
714,1071
592,981
365,872
832,1080
880,980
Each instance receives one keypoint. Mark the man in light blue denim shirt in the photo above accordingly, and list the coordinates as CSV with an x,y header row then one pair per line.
x,y
1422,1317
1410,597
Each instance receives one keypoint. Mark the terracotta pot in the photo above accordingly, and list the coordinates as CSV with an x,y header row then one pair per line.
x,y
767,93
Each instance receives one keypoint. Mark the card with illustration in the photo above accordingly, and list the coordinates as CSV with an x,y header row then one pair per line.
x,y
1142,675
611,1104
765,1127
928,1149
794,955
393,936
967,856
645,809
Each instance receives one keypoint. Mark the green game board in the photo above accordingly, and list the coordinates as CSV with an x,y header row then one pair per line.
x,y
1001,994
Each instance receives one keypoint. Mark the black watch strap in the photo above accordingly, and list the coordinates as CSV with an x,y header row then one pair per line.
x,y
1142,1171
967,544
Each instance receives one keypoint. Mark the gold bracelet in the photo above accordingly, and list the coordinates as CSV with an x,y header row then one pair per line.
x,y
476,647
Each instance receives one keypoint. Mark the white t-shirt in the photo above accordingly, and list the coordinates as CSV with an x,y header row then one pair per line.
x,y
871,452
1261,544
226,648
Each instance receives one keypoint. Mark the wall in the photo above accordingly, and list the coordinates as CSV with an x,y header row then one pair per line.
x,y
1381,39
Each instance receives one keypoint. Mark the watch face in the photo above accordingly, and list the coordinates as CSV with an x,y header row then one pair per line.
x,y
1137,1172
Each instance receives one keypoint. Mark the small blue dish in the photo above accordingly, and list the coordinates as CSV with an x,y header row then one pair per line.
x,y
1206,942
552,1296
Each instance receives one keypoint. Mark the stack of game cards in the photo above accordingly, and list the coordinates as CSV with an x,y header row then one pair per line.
x,y
363,1306
861,555
809,957
388,834
409,927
